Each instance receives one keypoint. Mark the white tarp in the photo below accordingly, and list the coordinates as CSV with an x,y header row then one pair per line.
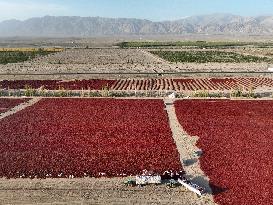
x,y
143,180
270,69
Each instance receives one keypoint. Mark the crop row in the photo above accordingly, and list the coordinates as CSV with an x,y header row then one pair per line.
x,y
192,84
8,103
87,137
188,84
236,139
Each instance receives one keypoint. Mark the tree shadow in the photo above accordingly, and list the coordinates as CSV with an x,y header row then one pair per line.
x,y
201,181
216,189
209,187
189,162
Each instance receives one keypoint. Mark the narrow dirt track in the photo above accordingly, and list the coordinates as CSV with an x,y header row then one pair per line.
x,y
186,146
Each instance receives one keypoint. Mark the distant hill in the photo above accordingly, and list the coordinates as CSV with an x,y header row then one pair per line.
x,y
68,26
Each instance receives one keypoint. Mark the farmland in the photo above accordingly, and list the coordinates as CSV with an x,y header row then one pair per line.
x,y
236,138
79,121
105,137
97,57
171,84
209,57
95,84
193,84
119,138
15,56
191,44
134,62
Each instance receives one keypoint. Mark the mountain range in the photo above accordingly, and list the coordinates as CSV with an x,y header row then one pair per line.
x,y
73,26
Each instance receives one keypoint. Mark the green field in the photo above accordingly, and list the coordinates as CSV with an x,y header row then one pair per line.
x,y
208,57
194,44
20,56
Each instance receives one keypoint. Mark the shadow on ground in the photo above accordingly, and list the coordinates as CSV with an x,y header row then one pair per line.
x,y
217,189
189,162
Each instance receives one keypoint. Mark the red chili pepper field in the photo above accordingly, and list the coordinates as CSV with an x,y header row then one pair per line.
x,y
87,137
95,84
237,140
184,84
8,103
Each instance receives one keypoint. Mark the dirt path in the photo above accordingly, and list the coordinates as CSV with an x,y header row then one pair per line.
x,y
91,191
189,153
19,108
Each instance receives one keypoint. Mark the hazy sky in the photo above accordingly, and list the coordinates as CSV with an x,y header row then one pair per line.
x,y
147,9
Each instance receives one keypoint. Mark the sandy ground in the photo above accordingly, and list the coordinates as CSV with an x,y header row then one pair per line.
x,y
91,191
